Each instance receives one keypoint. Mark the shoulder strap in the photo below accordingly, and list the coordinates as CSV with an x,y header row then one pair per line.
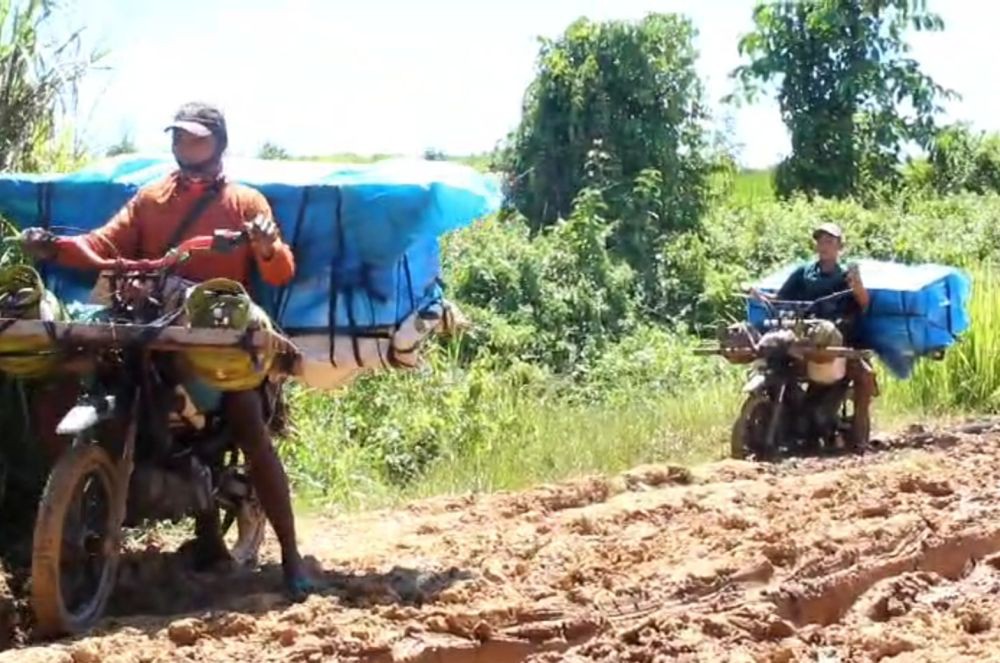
x,y
192,215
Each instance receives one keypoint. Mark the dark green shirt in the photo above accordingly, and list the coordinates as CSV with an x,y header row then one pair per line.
x,y
809,283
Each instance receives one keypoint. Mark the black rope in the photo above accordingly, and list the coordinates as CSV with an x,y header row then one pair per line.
x,y
334,282
285,293
156,327
378,347
349,303
44,204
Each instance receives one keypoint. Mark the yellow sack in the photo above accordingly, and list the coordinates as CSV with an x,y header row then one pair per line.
x,y
224,303
23,296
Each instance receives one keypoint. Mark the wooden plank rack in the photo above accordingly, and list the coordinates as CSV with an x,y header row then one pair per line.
x,y
175,337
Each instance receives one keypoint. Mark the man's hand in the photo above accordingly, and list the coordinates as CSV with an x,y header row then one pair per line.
x,y
38,243
853,279
263,233
854,276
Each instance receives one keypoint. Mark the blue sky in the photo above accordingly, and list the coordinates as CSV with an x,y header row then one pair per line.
x,y
398,76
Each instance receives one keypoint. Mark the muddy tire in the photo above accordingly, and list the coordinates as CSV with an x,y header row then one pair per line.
x,y
750,430
251,527
8,612
76,523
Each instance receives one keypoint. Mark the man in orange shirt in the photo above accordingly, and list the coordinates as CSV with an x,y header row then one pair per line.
x,y
157,218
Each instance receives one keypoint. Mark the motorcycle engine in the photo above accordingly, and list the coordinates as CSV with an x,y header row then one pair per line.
x,y
825,402
156,493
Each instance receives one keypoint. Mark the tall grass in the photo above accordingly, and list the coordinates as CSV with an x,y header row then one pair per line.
x,y
488,426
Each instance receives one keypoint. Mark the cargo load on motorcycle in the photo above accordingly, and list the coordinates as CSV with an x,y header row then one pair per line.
x,y
915,311
150,353
367,289
811,375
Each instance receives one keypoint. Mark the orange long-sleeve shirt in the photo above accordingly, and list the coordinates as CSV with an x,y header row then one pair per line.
x,y
143,228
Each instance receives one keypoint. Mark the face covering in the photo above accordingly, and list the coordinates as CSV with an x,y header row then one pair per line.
x,y
205,170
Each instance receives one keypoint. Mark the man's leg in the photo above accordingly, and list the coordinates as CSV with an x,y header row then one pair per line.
x,y
245,417
863,380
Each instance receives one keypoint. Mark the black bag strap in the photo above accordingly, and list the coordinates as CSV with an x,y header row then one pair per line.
x,y
192,215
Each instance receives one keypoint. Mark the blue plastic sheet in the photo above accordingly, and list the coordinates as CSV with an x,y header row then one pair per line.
x,y
915,310
365,237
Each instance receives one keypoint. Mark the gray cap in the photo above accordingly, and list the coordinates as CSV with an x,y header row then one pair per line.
x,y
199,119
831,229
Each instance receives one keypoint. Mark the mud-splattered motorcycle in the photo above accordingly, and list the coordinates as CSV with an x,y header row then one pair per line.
x,y
798,392
141,450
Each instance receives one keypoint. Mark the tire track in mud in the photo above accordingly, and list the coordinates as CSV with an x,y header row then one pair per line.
x,y
889,554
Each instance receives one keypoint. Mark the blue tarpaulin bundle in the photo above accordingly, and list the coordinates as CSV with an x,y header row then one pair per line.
x,y
915,310
365,237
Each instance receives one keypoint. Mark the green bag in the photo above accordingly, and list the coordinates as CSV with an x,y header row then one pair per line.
x,y
224,303
23,296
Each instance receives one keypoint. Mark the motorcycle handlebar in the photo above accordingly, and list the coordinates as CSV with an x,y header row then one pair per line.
x,y
221,241
800,306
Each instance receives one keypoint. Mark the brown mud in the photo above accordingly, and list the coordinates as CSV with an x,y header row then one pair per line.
x,y
893,555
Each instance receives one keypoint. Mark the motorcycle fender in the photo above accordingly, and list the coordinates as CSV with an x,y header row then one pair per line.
x,y
77,420
84,416
755,382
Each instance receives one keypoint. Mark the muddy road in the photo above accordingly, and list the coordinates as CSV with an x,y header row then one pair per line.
x,y
891,556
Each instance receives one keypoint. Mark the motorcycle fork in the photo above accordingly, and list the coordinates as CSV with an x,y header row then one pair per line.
x,y
776,414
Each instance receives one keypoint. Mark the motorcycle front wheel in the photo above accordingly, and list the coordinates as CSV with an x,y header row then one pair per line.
x,y
76,546
749,434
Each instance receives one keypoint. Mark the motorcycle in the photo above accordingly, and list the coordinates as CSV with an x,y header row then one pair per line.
x,y
141,450
798,392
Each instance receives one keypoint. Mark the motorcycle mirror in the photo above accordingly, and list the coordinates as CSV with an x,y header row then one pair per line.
x,y
224,241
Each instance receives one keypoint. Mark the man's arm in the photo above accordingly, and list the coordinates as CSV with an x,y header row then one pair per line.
x,y
118,238
273,257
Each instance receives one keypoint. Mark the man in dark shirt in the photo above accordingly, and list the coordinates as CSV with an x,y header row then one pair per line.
x,y
824,277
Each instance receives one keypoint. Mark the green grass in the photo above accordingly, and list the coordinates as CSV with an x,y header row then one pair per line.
x,y
552,439
753,186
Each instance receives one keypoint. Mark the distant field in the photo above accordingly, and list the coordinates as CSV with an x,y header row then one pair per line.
x,y
478,161
753,186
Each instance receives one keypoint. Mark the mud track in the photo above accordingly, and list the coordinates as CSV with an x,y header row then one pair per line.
x,y
894,555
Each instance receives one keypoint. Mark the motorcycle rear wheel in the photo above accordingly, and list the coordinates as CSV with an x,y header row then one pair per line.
x,y
76,521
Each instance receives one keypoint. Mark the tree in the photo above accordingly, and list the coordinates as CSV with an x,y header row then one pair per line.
x,y
270,150
624,96
848,91
38,82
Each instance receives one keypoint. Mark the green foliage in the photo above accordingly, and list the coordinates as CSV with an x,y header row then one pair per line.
x,y
270,150
556,300
963,160
843,76
613,102
37,82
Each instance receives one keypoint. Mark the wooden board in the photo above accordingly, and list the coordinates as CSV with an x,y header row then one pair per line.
x,y
167,338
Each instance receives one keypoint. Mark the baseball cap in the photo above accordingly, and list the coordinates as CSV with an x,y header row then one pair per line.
x,y
199,119
831,229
